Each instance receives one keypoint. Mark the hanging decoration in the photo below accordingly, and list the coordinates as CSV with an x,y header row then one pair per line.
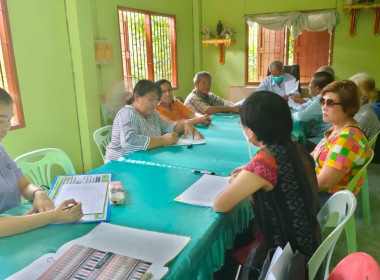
x,y
354,11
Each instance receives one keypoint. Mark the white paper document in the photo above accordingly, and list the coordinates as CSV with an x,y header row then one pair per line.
x,y
188,141
204,191
291,86
155,247
92,196
279,263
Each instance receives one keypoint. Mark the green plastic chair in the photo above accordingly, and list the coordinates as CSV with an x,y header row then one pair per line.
x,y
337,212
102,137
364,191
37,165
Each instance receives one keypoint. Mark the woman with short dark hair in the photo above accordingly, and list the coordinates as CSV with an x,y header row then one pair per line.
x,y
139,127
280,177
344,149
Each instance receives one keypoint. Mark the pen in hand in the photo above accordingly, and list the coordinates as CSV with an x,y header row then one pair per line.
x,y
68,207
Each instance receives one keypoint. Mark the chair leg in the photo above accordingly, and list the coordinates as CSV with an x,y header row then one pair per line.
x,y
238,272
351,235
365,203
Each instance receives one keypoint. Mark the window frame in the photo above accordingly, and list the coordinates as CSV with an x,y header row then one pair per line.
x,y
148,33
10,67
247,83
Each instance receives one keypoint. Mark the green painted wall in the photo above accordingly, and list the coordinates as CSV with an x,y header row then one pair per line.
x,y
106,18
42,56
351,54
62,109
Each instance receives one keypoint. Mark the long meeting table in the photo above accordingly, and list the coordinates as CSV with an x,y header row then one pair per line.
x,y
150,192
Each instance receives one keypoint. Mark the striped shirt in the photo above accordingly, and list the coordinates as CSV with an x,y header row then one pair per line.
x,y
131,132
368,121
198,102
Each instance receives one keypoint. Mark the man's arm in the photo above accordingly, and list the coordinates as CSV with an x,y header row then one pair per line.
x,y
221,109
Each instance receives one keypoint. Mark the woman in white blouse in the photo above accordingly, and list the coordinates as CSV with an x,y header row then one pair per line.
x,y
139,127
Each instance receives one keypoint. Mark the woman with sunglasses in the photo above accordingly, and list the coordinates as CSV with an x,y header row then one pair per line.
x,y
344,148
139,127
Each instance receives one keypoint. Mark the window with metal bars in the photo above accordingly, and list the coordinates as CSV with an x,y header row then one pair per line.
x,y
310,51
148,46
8,73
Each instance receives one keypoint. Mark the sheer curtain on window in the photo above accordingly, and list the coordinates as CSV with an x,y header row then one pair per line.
x,y
313,21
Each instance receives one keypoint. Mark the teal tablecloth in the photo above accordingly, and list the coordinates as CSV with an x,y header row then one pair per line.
x,y
225,149
150,193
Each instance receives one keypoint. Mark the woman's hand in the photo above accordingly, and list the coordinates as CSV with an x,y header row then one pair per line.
x,y
206,119
170,138
41,203
190,129
67,211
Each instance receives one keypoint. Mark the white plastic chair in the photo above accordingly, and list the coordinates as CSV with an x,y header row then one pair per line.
x,y
337,212
102,137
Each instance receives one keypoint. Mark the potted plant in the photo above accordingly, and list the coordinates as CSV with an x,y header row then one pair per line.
x,y
207,33
228,32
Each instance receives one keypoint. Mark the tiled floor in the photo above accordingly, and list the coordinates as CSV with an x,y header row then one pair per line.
x,y
368,239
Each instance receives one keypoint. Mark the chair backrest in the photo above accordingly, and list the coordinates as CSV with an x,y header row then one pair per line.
x,y
372,141
37,165
102,137
362,173
337,211
293,70
356,266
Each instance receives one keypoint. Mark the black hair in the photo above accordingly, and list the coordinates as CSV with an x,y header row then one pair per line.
x,y
142,87
268,115
5,97
322,79
163,81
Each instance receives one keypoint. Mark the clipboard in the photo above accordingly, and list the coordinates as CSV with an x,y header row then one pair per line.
x,y
83,179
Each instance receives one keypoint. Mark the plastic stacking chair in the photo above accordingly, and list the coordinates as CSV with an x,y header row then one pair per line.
x,y
337,212
102,137
37,165
356,266
364,192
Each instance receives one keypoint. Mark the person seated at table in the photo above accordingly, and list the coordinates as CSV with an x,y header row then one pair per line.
x,y
311,111
279,82
202,101
13,184
366,116
328,69
173,110
344,148
280,179
139,127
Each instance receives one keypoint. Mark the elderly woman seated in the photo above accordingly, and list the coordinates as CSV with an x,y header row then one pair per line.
x,y
344,148
173,110
139,127
280,178
366,116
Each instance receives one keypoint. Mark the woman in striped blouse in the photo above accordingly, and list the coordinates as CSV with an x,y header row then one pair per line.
x,y
139,127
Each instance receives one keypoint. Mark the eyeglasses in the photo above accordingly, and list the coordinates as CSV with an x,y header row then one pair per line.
x,y
328,102
154,100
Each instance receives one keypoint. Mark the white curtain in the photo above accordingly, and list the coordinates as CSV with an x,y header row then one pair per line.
x,y
314,21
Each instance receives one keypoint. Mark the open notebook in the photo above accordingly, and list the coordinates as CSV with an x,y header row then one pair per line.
x,y
156,248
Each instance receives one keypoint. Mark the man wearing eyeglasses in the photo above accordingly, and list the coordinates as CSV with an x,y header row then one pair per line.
x,y
310,112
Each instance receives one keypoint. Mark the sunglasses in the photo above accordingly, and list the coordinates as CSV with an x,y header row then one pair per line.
x,y
328,102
